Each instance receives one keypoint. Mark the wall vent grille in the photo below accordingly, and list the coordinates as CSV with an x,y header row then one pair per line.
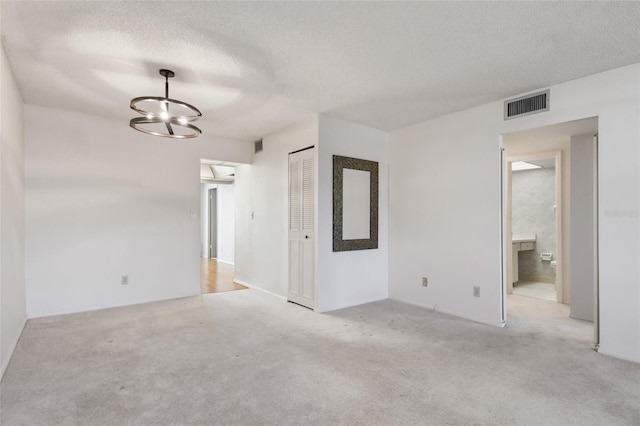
x,y
257,146
526,105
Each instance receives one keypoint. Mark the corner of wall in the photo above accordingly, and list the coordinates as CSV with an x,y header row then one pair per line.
x,y
13,314
428,216
261,197
350,278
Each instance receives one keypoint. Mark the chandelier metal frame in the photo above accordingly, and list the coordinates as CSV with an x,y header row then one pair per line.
x,y
165,117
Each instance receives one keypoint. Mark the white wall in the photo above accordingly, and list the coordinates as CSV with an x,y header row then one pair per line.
x,y
350,278
342,279
204,218
445,205
582,227
261,189
444,214
226,221
104,201
12,207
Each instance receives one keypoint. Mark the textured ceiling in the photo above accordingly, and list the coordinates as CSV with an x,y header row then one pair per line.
x,y
252,68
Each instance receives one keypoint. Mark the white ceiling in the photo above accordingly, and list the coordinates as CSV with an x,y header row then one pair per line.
x,y
545,163
253,67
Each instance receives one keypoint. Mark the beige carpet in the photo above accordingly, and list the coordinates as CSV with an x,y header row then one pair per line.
x,y
245,358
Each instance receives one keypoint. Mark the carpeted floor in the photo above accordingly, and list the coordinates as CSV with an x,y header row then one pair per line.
x,y
247,358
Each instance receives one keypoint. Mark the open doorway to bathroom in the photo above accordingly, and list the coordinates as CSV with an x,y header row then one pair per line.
x,y
217,227
536,207
550,228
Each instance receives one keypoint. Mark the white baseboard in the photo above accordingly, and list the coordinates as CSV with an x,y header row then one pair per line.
x,y
218,260
351,305
254,287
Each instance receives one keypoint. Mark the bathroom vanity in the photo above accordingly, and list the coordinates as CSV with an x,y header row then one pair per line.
x,y
520,242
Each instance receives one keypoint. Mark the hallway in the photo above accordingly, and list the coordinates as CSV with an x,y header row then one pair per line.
x,y
547,317
216,277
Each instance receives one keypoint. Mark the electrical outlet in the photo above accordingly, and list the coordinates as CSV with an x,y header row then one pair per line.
x,y
125,280
425,282
476,291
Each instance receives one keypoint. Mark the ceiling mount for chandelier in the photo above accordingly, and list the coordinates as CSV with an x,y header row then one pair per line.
x,y
163,116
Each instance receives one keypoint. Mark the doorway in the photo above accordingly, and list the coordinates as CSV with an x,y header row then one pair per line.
x,y
534,216
539,259
217,227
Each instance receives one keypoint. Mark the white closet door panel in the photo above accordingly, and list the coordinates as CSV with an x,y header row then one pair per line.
x,y
302,212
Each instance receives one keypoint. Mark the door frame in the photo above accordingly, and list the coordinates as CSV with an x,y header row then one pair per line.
x,y
596,240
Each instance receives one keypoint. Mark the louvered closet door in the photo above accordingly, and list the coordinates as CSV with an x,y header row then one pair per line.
x,y
301,229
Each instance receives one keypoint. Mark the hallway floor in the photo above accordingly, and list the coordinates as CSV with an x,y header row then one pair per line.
x,y
547,317
216,277
539,290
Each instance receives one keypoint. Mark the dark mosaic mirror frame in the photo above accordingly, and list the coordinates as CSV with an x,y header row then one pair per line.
x,y
340,163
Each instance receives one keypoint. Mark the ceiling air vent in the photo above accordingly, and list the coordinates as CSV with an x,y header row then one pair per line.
x,y
257,146
526,105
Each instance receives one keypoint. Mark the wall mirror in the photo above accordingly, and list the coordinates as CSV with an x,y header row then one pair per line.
x,y
355,204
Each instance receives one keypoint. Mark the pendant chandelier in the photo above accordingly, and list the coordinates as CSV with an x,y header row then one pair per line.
x,y
163,116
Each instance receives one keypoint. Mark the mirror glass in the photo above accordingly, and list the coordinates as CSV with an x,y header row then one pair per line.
x,y
356,202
